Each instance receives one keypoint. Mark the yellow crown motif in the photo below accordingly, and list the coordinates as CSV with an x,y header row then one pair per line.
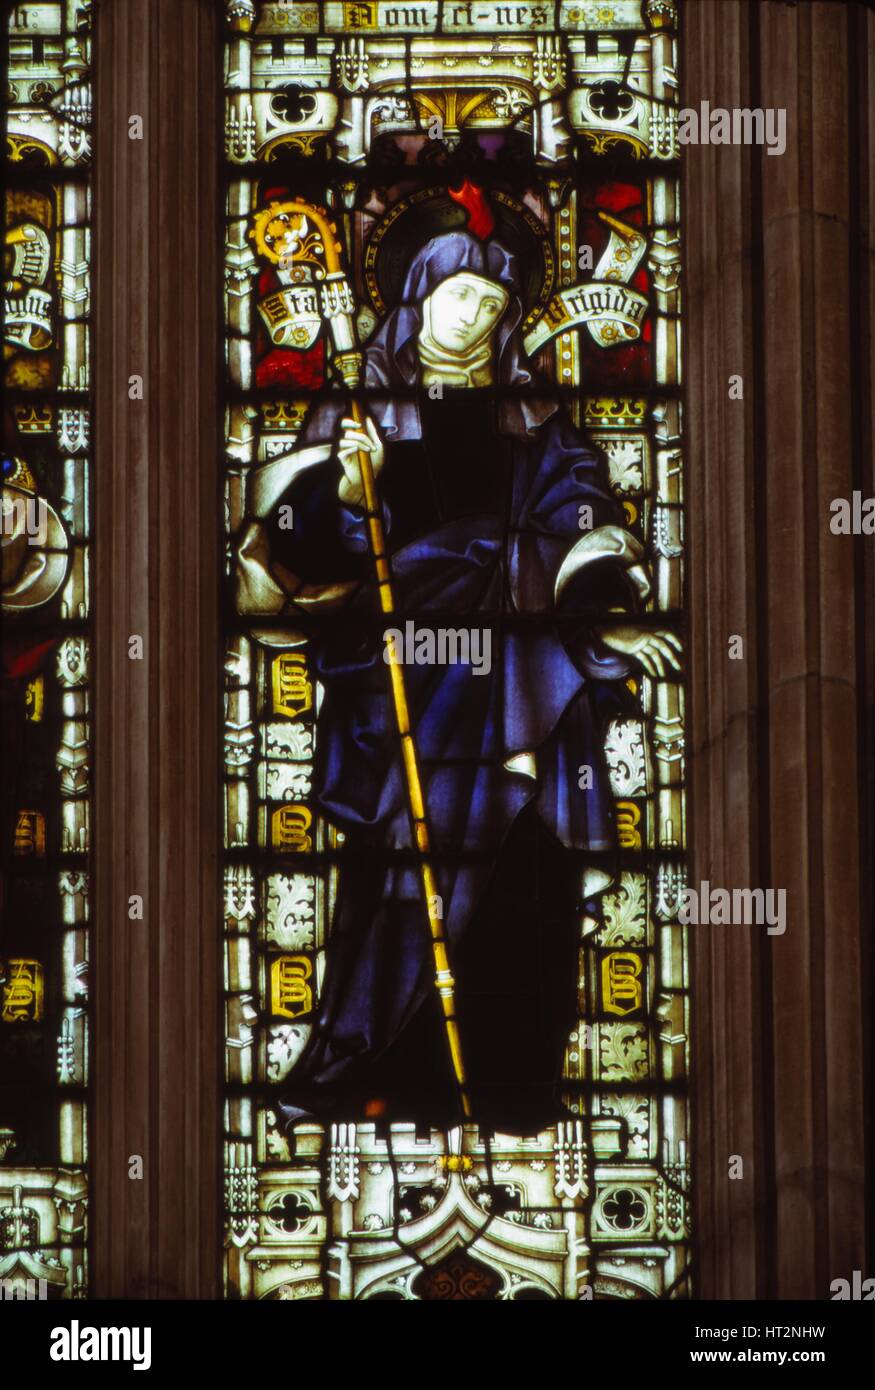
x,y
277,415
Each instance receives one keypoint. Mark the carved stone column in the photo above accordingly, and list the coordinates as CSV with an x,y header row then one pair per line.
x,y
779,291
156,521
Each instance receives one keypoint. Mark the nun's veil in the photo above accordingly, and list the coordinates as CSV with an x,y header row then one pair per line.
x,y
391,357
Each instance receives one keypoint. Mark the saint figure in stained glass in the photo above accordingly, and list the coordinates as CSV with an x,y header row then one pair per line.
x,y
516,584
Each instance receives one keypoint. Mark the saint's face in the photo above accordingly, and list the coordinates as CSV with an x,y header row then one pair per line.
x,y
463,311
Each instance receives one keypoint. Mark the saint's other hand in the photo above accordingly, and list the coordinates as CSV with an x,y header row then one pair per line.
x,y
357,437
657,649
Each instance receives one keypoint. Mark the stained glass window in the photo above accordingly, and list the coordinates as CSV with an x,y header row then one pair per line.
x,y
456,989
44,686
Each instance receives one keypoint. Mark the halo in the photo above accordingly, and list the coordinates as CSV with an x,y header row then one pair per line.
x,y
414,220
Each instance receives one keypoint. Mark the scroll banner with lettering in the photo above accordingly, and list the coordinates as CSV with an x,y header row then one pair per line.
x,y
27,319
27,308
612,312
292,316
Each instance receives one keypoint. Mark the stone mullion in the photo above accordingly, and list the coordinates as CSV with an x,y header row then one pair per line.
x,y
835,1086
779,1044
156,502
813,677
862,39
723,576
791,331
843,983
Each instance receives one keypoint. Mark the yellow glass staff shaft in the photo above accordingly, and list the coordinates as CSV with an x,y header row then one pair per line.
x,y
443,978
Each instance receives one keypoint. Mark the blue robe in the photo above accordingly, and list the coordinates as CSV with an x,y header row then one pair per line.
x,y
481,500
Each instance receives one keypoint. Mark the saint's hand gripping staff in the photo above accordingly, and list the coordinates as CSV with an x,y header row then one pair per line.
x,y
309,237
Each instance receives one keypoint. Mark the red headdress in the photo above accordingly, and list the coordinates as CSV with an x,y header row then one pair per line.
x,y
472,198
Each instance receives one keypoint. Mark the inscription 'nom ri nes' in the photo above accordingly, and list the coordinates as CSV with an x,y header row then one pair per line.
x,y
472,14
